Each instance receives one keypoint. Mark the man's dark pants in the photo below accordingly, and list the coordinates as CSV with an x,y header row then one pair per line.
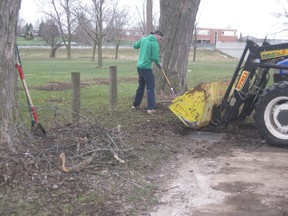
x,y
146,78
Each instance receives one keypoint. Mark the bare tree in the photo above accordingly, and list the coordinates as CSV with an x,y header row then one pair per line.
x,y
121,19
81,35
9,11
148,19
96,19
21,26
49,32
142,17
63,14
177,20
283,14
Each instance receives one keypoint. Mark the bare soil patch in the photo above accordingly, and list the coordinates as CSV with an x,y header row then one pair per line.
x,y
61,86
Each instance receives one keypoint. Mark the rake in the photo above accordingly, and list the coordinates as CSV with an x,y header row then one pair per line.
x,y
173,94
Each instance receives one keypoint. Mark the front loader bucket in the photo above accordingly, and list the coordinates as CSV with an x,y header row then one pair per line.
x,y
194,108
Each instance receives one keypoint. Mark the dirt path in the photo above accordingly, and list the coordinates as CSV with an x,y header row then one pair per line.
x,y
237,183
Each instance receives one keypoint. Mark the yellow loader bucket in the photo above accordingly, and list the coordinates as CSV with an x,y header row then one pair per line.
x,y
194,108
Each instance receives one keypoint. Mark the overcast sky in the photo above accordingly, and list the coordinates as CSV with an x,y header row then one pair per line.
x,y
249,17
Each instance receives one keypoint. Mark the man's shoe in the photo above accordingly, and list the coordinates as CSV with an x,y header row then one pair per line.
x,y
134,107
151,111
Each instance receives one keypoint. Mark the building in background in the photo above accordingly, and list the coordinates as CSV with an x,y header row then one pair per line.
x,y
203,36
212,36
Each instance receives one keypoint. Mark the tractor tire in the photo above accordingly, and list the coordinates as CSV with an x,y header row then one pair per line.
x,y
271,114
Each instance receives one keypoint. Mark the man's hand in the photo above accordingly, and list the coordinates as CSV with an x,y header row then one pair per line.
x,y
159,66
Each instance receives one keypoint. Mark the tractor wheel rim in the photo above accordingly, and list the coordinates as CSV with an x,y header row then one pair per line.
x,y
278,127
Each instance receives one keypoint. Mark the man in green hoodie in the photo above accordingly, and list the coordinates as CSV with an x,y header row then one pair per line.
x,y
149,53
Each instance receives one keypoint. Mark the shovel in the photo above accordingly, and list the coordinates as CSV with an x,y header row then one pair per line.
x,y
173,94
37,128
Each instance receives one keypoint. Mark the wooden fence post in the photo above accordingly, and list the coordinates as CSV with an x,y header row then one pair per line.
x,y
113,86
76,98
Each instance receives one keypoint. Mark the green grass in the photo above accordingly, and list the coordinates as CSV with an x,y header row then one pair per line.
x,y
202,71
34,41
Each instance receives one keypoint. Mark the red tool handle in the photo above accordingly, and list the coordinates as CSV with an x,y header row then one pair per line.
x,y
19,68
31,106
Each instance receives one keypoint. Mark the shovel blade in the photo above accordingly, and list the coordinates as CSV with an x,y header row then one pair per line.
x,y
38,130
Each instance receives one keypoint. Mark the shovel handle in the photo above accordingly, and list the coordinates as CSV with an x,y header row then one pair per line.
x,y
38,130
20,71
35,117
30,103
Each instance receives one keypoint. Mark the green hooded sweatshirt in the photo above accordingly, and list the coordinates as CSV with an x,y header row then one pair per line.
x,y
149,51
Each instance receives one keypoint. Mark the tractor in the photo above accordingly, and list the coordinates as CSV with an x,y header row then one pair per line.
x,y
250,90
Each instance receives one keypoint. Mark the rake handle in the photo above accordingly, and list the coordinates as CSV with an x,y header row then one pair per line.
x,y
166,78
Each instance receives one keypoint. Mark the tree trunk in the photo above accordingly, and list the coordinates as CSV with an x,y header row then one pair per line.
x,y
53,52
54,48
94,51
68,48
149,16
177,19
194,51
117,49
100,61
9,12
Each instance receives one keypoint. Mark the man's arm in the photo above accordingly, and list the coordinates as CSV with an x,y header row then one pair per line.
x,y
155,55
137,44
